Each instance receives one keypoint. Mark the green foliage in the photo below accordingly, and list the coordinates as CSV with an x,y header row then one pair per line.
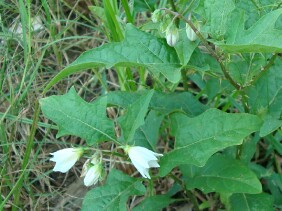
x,y
134,116
76,117
154,203
114,194
265,98
219,121
196,139
139,49
261,37
164,102
251,202
221,174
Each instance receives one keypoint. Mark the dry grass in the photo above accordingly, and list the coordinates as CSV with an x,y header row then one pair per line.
x,y
27,64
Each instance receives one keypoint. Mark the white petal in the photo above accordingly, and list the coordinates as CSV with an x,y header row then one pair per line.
x,y
137,156
143,171
153,164
144,152
65,158
64,166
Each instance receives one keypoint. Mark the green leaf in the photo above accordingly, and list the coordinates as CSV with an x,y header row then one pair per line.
x,y
265,98
251,202
197,139
134,116
216,15
147,135
202,62
274,184
261,37
221,174
270,124
76,117
162,102
154,203
171,102
114,194
138,49
185,47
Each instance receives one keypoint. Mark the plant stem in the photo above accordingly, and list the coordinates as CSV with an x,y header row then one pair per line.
x,y
189,193
184,79
171,2
266,67
206,44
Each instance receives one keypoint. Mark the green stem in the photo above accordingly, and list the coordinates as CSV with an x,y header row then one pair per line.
x,y
172,4
189,193
206,44
266,67
184,79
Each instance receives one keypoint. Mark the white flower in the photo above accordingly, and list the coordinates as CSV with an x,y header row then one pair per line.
x,y
172,35
190,33
93,174
66,158
142,159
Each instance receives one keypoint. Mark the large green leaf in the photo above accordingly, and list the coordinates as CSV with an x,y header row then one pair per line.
x,y
265,98
221,174
261,37
134,117
76,117
196,139
138,49
114,194
154,203
251,202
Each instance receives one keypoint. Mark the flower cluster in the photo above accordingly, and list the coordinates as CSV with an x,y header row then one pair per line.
x,y
143,159
167,26
66,158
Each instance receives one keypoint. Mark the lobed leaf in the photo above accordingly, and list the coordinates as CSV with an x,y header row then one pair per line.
x,y
197,139
76,117
261,37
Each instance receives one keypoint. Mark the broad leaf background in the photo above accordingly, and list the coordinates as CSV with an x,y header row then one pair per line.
x,y
196,139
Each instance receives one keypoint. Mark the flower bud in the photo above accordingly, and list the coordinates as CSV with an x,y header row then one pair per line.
x,y
172,35
92,170
156,16
190,33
